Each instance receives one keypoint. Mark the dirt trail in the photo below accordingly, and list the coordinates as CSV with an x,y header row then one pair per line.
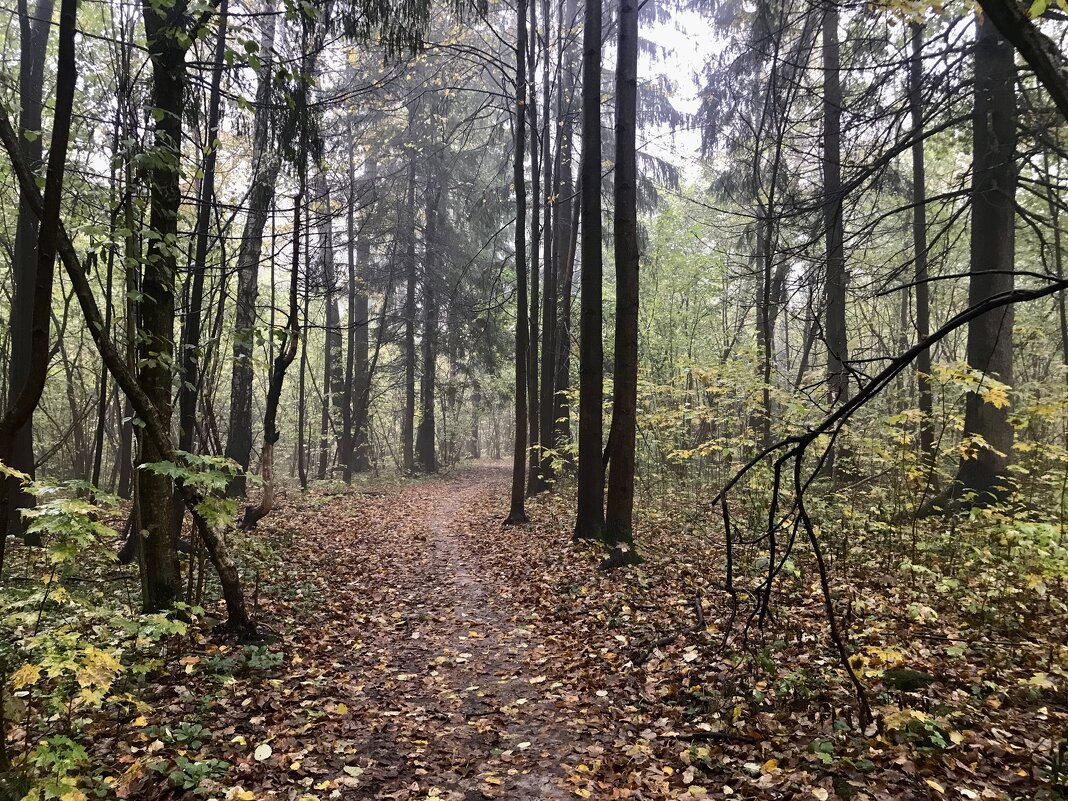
x,y
419,656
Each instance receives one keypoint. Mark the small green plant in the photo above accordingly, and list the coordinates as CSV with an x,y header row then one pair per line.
x,y
199,776
187,735
258,657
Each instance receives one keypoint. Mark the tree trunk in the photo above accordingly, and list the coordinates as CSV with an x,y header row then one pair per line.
x,y
837,336
517,513
992,258
287,352
333,385
544,468
533,416
33,48
589,517
189,377
619,511
357,311
302,367
161,582
265,166
21,403
361,457
919,240
425,442
408,419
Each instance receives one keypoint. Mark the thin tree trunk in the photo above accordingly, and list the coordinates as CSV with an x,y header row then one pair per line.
x,y
102,382
362,384
189,376
287,352
408,420
837,337
348,455
516,512
919,240
425,442
589,517
543,472
265,165
333,384
302,369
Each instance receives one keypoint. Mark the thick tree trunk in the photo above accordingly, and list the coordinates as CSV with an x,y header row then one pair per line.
x,y
992,258
21,403
161,582
534,485
517,513
589,517
619,511
33,49
265,166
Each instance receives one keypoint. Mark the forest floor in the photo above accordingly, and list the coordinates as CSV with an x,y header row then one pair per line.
x,y
426,652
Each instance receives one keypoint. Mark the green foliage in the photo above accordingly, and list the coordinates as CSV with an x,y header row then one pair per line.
x,y
208,474
71,651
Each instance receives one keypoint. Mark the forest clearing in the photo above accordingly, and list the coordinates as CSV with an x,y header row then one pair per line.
x,y
534,400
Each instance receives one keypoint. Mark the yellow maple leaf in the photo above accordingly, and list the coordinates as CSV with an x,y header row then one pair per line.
x,y
26,676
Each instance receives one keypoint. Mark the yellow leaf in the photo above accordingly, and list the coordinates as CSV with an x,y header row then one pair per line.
x,y
770,765
492,780
938,788
25,676
341,709
139,721
99,668
581,792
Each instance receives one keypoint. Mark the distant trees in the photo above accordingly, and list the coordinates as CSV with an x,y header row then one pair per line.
x,y
343,259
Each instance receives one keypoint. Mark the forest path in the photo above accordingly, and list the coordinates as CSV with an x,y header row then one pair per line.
x,y
415,668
